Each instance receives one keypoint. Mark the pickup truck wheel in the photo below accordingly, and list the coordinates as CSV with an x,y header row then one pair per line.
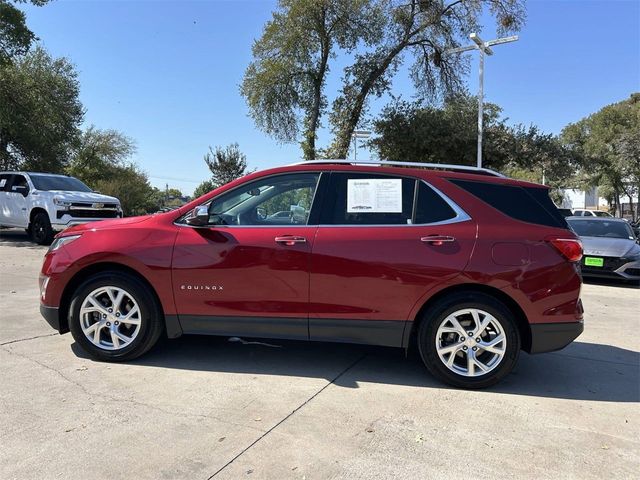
x,y
40,228
115,317
469,340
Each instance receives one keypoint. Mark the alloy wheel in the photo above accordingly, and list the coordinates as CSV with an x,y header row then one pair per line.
x,y
471,342
110,318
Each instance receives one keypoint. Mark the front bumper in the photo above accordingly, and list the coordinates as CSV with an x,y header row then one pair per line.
x,y
52,316
614,268
65,220
548,337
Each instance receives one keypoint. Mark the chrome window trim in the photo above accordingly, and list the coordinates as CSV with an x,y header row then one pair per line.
x,y
461,215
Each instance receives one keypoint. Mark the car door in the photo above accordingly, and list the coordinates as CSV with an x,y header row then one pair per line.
x,y
16,206
380,247
247,272
4,198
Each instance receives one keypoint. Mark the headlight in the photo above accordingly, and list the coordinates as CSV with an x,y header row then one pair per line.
x,y
59,242
61,202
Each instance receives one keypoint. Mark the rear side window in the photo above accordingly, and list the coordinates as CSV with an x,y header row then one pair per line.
x,y
431,207
527,204
4,182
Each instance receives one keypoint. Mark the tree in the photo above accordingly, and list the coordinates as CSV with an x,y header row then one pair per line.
x,y
39,112
98,154
15,36
448,134
101,159
204,187
226,164
423,30
290,63
131,186
607,143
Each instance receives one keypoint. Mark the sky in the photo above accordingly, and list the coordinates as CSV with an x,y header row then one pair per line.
x,y
167,73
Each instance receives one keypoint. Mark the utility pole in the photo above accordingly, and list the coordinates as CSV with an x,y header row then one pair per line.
x,y
484,49
364,134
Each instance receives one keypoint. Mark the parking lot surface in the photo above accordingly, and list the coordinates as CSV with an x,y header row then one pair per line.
x,y
204,407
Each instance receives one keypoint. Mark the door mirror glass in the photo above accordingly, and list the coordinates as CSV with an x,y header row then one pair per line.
x,y
199,217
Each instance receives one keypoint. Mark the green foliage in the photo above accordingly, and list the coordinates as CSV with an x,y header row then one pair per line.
x,y
420,31
15,37
99,154
226,164
301,197
608,146
100,158
131,186
204,187
39,112
173,192
417,133
284,84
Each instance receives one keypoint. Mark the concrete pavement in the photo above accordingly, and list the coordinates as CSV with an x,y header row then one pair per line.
x,y
202,407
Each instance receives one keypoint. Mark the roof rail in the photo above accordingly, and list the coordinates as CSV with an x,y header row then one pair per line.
x,y
396,163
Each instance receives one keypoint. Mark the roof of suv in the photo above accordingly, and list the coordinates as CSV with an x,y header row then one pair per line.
x,y
383,167
34,173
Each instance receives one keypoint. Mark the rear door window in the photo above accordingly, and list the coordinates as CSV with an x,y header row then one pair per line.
x,y
354,198
527,204
368,199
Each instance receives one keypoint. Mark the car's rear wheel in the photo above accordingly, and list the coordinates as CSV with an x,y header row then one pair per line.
x,y
115,317
469,340
40,229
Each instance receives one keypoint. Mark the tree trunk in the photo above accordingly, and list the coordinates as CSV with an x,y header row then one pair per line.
x,y
310,134
343,137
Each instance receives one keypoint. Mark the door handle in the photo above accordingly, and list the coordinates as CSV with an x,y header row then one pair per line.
x,y
438,240
290,240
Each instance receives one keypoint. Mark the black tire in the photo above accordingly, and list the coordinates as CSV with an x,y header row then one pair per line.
x,y
151,317
40,229
437,314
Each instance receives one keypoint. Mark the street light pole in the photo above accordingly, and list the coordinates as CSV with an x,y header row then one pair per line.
x,y
364,134
484,49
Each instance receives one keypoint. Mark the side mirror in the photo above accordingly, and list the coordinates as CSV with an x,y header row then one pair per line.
x,y
199,217
21,189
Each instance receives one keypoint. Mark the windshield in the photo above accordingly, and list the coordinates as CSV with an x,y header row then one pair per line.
x,y
599,228
55,182
602,214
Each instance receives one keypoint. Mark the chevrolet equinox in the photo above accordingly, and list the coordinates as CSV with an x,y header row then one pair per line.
x,y
468,265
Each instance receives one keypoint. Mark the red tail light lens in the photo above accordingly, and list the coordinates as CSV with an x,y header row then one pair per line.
x,y
570,248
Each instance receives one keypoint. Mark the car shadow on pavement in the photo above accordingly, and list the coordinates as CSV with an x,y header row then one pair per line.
x,y
582,371
17,238
611,282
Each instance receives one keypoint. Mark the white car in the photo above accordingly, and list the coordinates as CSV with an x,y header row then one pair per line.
x,y
43,203
583,212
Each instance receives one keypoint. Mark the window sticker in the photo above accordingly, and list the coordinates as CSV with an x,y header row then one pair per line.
x,y
374,195
3,182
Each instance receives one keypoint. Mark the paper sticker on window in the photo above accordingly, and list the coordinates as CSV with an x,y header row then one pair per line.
x,y
3,182
374,195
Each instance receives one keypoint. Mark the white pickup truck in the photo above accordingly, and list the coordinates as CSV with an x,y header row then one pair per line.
x,y
43,203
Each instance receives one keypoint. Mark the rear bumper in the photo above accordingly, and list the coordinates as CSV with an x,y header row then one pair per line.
x,y
548,337
51,315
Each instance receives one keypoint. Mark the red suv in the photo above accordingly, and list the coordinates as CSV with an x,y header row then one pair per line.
x,y
467,264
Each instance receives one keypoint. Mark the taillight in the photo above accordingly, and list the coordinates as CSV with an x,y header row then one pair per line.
x,y
570,248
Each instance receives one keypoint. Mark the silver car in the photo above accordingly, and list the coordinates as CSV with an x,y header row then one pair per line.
x,y
610,247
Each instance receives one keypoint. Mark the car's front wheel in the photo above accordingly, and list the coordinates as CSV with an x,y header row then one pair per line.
x,y
40,229
469,340
115,317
